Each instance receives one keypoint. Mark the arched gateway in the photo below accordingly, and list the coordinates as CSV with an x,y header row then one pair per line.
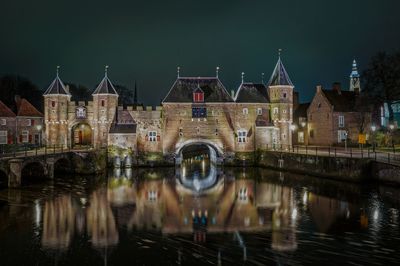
x,y
214,151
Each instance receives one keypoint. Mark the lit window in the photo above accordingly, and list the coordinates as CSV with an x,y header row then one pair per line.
x,y
152,136
243,194
28,122
342,135
242,136
3,137
25,136
300,137
152,195
341,120
276,110
245,111
259,111
3,122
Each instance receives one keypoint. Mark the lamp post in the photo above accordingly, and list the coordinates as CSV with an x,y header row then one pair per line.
x,y
39,129
373,129
391,126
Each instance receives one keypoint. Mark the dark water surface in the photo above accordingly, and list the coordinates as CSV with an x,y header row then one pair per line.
x,y
231,216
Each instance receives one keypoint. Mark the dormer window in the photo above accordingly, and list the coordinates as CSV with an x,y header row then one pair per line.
x,y
198,95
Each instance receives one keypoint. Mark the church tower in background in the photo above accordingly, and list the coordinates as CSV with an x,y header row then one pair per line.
x,y
355,78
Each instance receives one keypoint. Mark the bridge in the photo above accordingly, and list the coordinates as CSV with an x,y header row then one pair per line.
x,y
43,162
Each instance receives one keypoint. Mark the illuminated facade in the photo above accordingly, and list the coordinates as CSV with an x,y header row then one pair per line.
x,y
196,110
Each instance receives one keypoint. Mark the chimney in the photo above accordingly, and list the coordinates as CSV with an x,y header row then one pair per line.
x,y
337,87
319,88
233,94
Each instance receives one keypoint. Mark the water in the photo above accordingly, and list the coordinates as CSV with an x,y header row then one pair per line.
x,y
145,217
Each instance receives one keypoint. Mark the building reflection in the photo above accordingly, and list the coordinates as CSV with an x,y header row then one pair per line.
x,y
231,204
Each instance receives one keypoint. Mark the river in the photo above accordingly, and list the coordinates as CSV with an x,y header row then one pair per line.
x,y
199,215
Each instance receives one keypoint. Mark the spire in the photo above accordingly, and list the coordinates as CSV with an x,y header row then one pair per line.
x,y
135,101
105,71
279,76
57,86
178,71
354,71
242,77
105,86
216,72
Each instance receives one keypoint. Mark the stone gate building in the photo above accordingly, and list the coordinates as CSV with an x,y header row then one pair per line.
x,y
195,111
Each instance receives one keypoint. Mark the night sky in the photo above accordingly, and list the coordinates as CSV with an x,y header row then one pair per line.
x,y
147,40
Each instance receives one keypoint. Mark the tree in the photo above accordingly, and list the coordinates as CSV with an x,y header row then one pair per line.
x,y
382,80
12,85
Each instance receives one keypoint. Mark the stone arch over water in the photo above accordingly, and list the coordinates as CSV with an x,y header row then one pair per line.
x,y
215,152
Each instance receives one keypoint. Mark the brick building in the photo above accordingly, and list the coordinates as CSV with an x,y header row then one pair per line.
x,y
7,125
29,122
196,110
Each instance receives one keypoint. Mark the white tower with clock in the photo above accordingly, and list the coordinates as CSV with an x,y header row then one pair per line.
x,y
355,78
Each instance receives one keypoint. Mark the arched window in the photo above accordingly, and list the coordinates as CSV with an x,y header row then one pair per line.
x,y
198,95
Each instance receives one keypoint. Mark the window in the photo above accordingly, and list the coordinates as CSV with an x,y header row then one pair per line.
x,y
152,195
300,137
199,112
53,104
243,194
259,111
216,132
3,137
102,103
276,110
284,95
28,122
180,132
80,112
341,120
284,111
245,111
283,136
152,136
342,135
25,136
198,96
242,135
3,122
319,105
197,130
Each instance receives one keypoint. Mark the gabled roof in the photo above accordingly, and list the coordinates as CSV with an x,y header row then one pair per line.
x,y
183,88
252,93
123,123
56,87
25,108
279,76
5,111
342,101
105,87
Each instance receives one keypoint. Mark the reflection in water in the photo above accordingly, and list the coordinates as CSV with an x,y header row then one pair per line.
x,y
247,214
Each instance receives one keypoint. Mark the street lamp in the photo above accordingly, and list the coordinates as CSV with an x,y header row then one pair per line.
x,y
391,126
373,128
39,129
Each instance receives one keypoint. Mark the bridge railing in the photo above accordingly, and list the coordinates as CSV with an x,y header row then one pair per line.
x,y
15,151
374,153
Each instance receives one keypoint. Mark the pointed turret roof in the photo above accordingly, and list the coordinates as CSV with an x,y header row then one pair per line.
x,y
354,71
279,76
57,87
105,86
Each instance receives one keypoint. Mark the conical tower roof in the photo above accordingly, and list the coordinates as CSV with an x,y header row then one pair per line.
x,y
279,76
105,86
56,87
